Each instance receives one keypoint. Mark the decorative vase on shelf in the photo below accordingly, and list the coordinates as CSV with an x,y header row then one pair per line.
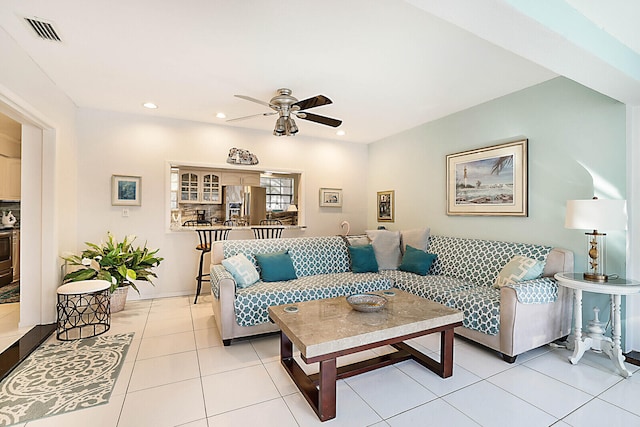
x,y
119,298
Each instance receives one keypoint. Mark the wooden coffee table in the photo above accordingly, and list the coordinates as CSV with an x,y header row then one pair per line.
x,y
326,329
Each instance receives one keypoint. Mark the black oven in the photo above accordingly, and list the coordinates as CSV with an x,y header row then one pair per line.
x,y
6,264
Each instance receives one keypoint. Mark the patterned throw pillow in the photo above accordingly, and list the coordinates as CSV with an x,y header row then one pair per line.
x,y
416,261
518,269
242,270
276,266
386,245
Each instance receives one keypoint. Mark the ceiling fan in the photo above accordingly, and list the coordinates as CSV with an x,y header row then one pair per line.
x,y
286,106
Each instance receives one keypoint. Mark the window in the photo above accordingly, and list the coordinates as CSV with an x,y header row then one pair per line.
x,y
279,192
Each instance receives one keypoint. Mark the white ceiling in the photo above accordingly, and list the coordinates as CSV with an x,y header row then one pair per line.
x,y
386,64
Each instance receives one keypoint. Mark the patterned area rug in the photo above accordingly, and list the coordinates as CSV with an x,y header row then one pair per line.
x,y
59,378
10,293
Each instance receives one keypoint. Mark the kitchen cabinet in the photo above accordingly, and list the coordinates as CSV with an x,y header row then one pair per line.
x,y
9,178
200,187
241,178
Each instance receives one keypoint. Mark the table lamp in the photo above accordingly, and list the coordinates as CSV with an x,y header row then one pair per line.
x,y
596,214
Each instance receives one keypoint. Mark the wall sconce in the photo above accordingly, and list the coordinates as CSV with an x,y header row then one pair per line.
x,y
596,214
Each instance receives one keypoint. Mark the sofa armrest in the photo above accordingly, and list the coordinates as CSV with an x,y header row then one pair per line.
x,y
220,278
536,291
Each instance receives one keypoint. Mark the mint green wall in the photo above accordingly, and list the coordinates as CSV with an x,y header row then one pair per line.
x,y
576,150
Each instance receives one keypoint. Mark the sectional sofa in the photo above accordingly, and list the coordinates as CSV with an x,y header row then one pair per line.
x,y
511,319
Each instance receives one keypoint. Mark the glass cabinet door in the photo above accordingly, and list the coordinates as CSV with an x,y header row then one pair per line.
x,y
211,188
188,187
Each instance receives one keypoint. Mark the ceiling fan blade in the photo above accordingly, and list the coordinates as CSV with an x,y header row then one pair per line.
x,y
251,116
320,119
248,98
316,101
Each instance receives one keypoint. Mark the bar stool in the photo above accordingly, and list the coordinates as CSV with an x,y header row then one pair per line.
x,y
267,232
84,309
207,236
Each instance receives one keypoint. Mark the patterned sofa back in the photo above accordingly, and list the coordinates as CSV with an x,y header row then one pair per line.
x,y
310,255
478,261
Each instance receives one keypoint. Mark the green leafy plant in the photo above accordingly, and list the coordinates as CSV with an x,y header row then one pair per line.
x,y
119,263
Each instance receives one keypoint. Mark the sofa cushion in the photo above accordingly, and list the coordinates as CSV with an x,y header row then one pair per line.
x,y
418,238
251,304
481,307
310,255
416,261
363,259
434,288
519,269
276,267
386,245
242,270
478,261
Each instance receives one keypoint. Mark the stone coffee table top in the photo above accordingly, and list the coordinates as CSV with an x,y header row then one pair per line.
x,y
328,326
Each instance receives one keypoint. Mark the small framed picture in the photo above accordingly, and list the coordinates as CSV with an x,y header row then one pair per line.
x,y
385,206
126,190
331,197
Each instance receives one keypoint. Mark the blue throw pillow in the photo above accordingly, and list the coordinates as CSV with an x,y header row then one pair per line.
x,y
363,259
276,266
417,261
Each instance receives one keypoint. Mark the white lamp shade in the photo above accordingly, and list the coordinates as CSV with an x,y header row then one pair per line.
x,y
596,214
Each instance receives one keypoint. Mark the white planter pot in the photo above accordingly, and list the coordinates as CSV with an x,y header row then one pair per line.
x,y
119,298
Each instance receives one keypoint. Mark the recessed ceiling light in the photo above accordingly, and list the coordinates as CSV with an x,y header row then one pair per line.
x,y
150,105
221,115
340,133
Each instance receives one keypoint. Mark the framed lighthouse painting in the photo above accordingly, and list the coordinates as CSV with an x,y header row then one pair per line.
x,y
488,181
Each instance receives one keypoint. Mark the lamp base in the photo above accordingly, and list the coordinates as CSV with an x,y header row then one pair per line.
x,y
596,277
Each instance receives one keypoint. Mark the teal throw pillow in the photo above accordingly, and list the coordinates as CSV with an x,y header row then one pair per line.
x,y
416,261
242,270
363,259
519,269
276,266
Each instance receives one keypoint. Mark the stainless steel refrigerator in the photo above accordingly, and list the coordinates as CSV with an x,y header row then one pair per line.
x,y
248,203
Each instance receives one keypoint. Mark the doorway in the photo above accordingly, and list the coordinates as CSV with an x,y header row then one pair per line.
x,y
38,142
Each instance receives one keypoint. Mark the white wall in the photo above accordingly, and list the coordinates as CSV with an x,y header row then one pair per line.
x,y
49,166
112,143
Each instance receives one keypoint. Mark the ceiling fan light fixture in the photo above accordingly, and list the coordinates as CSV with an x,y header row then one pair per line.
x,y
281,127
292,129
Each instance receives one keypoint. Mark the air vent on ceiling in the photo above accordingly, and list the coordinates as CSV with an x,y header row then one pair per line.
x,y
43,29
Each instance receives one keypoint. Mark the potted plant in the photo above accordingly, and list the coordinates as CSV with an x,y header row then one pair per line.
x,y
119,263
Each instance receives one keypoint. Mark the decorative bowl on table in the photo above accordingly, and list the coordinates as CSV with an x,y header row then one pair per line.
x,y
366,302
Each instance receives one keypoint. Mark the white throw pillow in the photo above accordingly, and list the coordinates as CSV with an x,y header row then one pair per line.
x,y
242,270
518,269
417,238
386,246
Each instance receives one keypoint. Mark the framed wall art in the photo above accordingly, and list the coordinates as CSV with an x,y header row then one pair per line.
x,y
488,181
331,197
126,190
385,206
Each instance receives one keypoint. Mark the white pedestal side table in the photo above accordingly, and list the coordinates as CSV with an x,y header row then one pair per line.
x,y
615,288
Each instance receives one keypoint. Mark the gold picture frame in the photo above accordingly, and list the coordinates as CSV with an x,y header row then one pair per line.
x,y
126,190
489,181
385,204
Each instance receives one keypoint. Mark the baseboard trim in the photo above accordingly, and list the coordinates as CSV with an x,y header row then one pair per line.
x,y
633,357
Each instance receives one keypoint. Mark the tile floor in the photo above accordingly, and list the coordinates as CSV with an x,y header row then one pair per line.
x,y
177,373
